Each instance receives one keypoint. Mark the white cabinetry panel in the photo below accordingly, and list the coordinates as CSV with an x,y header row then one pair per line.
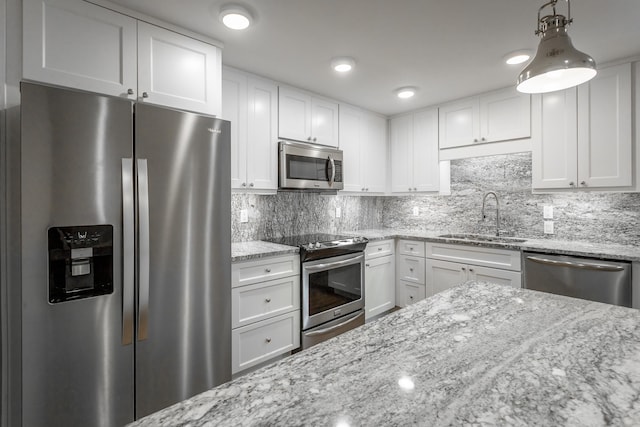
x,y
380,290
76,44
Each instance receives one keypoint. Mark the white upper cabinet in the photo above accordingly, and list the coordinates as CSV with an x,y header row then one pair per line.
x,y
250,103
605,129
414,152
178,71
76,44
363,140
304,117
496,116
586,140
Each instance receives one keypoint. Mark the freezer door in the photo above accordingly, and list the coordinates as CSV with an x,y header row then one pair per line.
x,y
183,341
75,368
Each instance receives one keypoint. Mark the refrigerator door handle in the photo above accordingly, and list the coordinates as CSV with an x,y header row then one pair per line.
x,y
128,252
143,246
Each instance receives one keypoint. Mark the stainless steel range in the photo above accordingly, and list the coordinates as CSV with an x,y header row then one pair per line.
x,y
332,281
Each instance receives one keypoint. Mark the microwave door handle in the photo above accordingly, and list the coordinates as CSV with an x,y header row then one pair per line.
x,y
333,171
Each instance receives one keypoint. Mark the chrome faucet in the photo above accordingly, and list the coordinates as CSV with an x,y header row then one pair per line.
x,y
484,199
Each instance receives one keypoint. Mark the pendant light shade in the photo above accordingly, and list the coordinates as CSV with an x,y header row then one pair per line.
x,y
557,64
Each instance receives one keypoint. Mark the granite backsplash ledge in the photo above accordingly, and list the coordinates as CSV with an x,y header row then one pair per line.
x,y
585,216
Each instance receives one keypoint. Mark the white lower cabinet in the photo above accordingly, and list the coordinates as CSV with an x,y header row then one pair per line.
x,y
449,265
410,272
379,292
265,310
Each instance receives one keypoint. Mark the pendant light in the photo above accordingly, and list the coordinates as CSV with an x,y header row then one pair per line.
x,y
557,64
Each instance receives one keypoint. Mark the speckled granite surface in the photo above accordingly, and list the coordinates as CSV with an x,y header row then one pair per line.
x,y
563,247
477,354
258,249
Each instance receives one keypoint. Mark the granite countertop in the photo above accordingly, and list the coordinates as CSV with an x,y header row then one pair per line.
x,y
561,247
476,354
258,249
255,249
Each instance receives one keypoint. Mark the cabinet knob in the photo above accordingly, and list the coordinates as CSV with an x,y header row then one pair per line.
x,y
410,249
363,189
268,340
379,249
315,139
409,188
571,184
309,139
583,183
475,139
367,265
267,300
244,184
145,95
471,270
268,270
464,269
415,189
251,185
410,296
366,189
411,270
483,139
129,91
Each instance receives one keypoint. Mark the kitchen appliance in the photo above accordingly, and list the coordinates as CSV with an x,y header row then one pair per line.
x,y
591,279
126,255
304,166
332,269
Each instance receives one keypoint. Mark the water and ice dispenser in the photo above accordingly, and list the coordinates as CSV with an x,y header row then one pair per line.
x,y
80,262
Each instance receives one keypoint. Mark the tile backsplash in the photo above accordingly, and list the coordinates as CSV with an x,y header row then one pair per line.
x,y
595,217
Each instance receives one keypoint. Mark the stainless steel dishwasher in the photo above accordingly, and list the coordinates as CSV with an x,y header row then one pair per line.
x,y
591,279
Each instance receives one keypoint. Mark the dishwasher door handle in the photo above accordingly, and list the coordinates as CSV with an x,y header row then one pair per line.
x,y
580,265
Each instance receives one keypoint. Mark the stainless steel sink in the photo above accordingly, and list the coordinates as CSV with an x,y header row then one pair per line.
x,y
482,238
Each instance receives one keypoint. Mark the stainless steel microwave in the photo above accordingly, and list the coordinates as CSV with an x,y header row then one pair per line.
x,y
305,166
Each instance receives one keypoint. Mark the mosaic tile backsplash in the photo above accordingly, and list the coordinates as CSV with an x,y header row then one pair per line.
x,y
595,217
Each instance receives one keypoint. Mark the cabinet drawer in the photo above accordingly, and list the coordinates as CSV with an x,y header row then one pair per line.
x,y
487,257
259,342
252,303
411,247
249,272
409,293
411,269
379,249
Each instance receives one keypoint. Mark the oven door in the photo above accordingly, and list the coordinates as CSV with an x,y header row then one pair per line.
x,y
331,288
306,166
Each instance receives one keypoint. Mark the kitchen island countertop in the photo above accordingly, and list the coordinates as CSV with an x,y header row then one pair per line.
x,y
479,354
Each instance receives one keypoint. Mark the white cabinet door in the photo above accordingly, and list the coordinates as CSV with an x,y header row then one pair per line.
x,y
324,122
294,116
351,139
234,109
505,115
178,71
374,153
459,123
605,129
494,275
401,144
409,293
426,175
262,134
76,44
554,156
380,289
442,275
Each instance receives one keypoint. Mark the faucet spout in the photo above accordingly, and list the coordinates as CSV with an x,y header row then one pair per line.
x,y
484,200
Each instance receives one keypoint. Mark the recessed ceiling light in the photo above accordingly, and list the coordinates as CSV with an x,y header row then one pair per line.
x,y
343,64
235,16
406,92
517,57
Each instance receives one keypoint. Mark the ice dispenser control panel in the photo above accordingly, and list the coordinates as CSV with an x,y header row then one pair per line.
x,y
80,262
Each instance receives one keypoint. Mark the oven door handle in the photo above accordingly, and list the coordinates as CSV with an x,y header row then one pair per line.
x,y
333,328
328,265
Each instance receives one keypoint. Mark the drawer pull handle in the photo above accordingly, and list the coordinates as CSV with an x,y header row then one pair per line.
x,y
268,340
268,270
379,249
268,299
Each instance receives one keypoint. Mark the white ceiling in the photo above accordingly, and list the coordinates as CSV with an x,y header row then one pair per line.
x,y
447,48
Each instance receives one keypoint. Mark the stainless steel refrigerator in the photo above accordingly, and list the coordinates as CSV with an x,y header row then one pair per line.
x,y
126,257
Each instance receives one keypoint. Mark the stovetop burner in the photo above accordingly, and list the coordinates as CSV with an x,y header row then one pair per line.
x,y
322,245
